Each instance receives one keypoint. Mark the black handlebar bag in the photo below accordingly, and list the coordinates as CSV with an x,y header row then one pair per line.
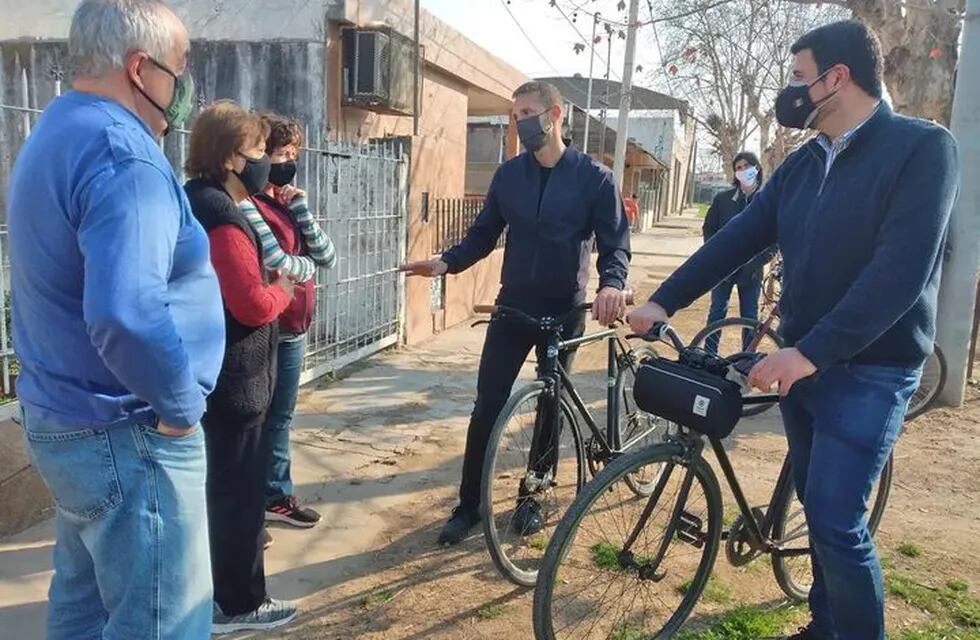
x,y
694,398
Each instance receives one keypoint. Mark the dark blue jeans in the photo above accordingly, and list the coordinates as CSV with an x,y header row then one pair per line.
x,y
749,285
841,427
279,483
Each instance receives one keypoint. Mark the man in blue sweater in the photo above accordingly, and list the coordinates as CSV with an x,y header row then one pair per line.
x,y
119,329
860,214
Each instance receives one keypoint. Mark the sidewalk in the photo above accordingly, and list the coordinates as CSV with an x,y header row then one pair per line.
x,y
378,453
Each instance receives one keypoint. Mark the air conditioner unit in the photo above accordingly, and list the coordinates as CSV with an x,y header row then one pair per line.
x,y
379,71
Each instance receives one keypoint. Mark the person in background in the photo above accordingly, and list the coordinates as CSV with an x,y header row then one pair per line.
x,y
227,164
632,207
861,213
295,245
553,200
748,277
119,333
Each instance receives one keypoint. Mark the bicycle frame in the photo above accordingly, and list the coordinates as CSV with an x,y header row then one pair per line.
x,y
559,383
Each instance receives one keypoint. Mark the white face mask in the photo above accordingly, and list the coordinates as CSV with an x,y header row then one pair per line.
x,y
747,177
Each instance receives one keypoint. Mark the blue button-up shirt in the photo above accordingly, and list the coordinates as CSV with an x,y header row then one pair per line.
x,y
116,309
836,147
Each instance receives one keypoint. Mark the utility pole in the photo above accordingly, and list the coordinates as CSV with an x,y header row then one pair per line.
x,y
605,100
417,98
622,128
588,95
956,296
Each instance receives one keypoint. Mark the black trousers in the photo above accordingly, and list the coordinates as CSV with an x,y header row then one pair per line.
x,y
505,349
237,459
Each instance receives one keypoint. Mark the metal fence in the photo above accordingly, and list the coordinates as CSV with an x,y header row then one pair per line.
x,y
451,218
357,193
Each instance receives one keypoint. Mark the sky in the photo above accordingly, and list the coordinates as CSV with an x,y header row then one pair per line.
x,y
487,23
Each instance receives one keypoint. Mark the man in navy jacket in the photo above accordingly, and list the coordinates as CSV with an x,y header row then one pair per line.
x,y
553,200
860,214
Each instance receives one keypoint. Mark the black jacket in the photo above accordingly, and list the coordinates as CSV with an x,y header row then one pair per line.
x,y
549,234
248,372
724,208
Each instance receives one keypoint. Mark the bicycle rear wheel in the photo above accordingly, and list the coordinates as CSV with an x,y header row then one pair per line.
x,y
732,336
622,566
516,492
793,570
637,428
933,380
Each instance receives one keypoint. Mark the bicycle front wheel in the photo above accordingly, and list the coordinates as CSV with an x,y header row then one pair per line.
x,y
791,566
933,379
524,499
637,428
731,336
623,566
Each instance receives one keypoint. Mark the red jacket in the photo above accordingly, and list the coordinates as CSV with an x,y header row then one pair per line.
x,y
298,316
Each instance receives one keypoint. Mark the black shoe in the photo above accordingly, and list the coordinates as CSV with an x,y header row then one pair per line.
x,y
459,526
528,518
290,511
266,538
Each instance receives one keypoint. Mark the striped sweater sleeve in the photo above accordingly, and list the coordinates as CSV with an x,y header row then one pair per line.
x,y
319,246
299,268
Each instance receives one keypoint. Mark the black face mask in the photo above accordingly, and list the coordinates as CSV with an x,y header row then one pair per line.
x,y
796,109
255,175
532,135
282,173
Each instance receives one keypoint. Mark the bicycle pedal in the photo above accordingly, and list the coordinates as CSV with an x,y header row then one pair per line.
x,y
690,529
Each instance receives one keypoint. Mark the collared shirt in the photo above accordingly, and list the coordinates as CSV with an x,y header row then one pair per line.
x,y
836,147
118,314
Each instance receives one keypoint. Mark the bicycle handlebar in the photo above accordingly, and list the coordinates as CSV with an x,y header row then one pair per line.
x,y
496,309
662,332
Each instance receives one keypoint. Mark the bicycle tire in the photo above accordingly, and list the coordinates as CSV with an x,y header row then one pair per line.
x,y
745,323
601,485
933,381
625,438
781,571
504,564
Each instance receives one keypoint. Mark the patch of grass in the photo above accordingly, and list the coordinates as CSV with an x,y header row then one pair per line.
x,y
606,556
702,208
887,563
937,632
378,598
714,591
958,585
948,603
748,622
489,611
538,542
628,632
910,550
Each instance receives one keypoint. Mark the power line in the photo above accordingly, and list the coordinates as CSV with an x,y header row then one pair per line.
x,y
584,39
528,38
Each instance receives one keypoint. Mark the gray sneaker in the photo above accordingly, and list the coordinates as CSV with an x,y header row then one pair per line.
x,y
269,615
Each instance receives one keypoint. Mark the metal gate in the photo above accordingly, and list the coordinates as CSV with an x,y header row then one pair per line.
x,y
357,192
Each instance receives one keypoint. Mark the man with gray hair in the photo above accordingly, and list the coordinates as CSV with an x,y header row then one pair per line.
x,y
119,329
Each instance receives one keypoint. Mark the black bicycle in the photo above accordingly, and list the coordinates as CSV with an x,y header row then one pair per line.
x,y
632,567
540,454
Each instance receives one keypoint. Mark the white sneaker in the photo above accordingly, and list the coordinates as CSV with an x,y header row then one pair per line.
x,y
269,615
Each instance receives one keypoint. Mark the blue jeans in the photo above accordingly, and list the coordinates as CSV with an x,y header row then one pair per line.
x,y
290,364
749,285
131,556
841,427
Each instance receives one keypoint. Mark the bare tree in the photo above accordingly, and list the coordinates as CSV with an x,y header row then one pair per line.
x,y
730,61
920,43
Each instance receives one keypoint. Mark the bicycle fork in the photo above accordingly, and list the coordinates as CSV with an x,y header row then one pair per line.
x,y
680,524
